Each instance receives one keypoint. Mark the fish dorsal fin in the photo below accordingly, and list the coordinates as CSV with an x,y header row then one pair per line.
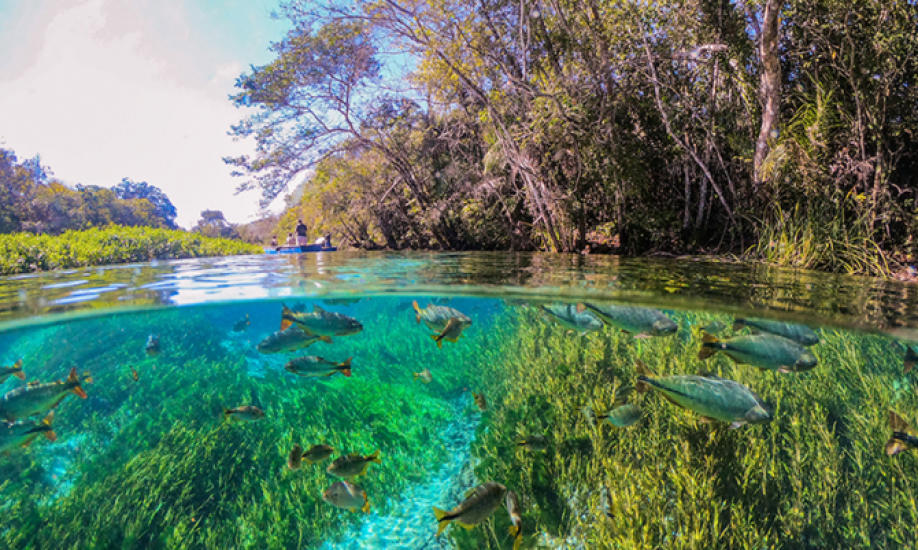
x,y
34,383
317,309
471,492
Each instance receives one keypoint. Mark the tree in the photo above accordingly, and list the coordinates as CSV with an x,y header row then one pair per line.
x,y
213,224
162,206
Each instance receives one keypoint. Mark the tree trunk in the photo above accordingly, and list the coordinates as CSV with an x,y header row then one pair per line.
x,y
770,85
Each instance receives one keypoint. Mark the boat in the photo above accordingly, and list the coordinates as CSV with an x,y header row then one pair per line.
x,y
293,249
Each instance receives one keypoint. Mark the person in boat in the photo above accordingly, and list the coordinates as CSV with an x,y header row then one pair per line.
x,y
301,231
291,240
274,241
327,243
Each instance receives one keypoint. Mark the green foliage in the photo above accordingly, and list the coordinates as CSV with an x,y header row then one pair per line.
x,y
25,252
816,476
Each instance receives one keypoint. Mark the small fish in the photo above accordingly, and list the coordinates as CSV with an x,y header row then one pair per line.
x,y
344,494
534,443
424,376
478,506
291,339
711,396
801,334
437,317
352,465
36,398
643,322
12,370
318,453
624,416
295,458
516,527
241,324
134,374
316,367
451,333
903,437
567,315
321,322
765,351
152,347
246,413
21,434
714,327
341,301
480,401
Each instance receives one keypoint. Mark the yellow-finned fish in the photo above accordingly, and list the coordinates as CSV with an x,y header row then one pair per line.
x,y
423,376
516,521
903,437
21,434
344,494
290,339
12,370
318,453
623,416
642,322
567,315
534,443
316,367
352,465
765,351
246,413
437,317
321,322
480,400
478,506
37,398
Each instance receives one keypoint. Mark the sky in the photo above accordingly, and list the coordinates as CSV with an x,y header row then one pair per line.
x,y
112,89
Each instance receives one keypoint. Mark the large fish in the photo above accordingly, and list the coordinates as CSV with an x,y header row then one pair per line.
x,y
21,434
321,322
12,370
642,322
290,339
437,317
344,494
711,396
37,398
801,334
478,506
451,333
903,437
316,367
352,465
765,351
568,316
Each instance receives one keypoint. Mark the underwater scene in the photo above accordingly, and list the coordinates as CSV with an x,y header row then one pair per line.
x,y
375,419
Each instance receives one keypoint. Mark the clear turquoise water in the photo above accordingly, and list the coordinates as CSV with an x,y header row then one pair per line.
x,y
151,463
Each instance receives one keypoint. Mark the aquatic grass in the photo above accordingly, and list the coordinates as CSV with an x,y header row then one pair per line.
x,y
815,477
27,252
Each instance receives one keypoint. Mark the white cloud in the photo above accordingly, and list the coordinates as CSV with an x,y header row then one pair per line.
x,y
109,96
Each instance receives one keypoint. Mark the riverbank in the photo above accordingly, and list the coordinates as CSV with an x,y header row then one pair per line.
x,y
27,253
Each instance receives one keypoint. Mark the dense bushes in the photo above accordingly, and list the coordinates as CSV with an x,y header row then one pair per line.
x,y
24,252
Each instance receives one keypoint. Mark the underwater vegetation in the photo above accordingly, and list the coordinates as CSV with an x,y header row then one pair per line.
x,y
26,252
195,436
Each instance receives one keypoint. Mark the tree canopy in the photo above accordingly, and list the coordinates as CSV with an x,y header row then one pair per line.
x,y
673,126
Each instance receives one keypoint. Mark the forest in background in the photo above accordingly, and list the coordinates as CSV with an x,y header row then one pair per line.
x,y
780,132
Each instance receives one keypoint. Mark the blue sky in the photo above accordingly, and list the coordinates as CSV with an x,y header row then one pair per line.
x,y
107,89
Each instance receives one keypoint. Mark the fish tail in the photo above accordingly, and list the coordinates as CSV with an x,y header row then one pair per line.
x,y
286,317
326,339
643,380
738,324
75,380
521,443
443,519
47,422
438,338
226,413
708,346
366,505
307,461
416,375
19,374
374,457
346,363
911,358
346,371
517,535
417,308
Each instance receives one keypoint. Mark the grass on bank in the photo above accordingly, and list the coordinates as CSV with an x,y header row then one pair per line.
x,y
26,252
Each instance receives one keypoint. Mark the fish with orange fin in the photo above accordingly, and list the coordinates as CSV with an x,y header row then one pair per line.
x,y
516,527
451,333
36,398
134,374
479,504
320,322
903,437
344,494
424,376
12,370
352,465
438,317
480,401
245,413
21,434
